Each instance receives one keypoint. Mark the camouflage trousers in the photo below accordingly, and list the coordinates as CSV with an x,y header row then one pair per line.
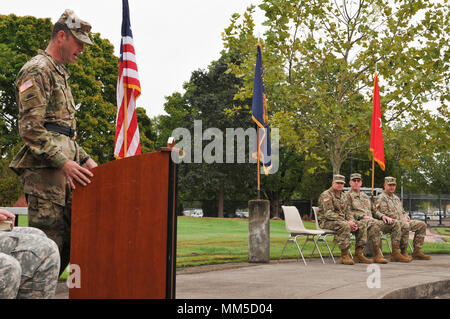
x,y
29,264
368,230
55,221
394,229
419,228
342,229
10,273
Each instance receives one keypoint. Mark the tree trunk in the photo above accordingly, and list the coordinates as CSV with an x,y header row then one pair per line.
x,y
337,160
275,205
220,212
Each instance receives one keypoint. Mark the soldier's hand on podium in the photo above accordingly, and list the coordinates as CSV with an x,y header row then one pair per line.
x,y
75,172
90,163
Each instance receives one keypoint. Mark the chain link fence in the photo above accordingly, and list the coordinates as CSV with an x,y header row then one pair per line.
x,y
432,209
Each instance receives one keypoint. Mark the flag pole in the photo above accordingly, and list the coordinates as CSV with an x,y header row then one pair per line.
x,y
257,156
373,153
373,172
125,121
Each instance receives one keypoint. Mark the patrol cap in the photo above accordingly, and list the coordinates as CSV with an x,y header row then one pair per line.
x,y
355,175
390,180
79,28
338,178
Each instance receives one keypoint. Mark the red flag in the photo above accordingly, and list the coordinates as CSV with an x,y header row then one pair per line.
x,y
376,135
127,142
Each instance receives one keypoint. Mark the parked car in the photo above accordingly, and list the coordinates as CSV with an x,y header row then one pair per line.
x,y
196,212
241,213
418,215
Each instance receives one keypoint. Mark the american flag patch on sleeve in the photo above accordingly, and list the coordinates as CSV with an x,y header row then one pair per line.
x,y
26,85
326,199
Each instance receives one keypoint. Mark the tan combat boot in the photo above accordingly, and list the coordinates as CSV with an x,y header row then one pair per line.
x,y
419,255
404,252
396,256
378,258
360,258
345,258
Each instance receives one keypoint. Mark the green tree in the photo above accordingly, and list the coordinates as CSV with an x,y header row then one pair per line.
x,y
147,131
209,97
10,185
20,38
319,59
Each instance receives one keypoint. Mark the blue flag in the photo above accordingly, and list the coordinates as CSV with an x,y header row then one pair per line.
x,y
260,115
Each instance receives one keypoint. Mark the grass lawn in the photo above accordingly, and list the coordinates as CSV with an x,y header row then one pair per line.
x,y
443,231
214,240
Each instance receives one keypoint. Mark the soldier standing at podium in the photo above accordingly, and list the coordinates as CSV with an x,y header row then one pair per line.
x,y
51,161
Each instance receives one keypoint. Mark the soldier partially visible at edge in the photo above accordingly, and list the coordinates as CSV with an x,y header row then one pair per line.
x,y
29,263
360,207
51,161
332,215
388,204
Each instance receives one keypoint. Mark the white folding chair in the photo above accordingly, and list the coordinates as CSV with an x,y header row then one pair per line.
x,y
295,227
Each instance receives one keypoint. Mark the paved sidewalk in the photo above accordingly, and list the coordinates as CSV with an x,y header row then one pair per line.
x,y
293,279
290,279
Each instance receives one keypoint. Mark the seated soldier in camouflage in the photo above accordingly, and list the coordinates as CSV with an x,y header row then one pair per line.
x,y
331,215
360,207
29,263
359,211
388,204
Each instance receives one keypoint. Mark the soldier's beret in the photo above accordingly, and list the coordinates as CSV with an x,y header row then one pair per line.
x,y
79,28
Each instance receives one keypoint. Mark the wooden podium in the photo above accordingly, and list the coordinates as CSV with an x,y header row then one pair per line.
x,y
124,229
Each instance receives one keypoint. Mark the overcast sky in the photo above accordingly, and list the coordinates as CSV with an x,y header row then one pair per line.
x,y
172,38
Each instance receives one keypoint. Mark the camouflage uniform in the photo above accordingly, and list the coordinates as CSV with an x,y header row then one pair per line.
x,y
368,229
391,206
332,215
10,272
360,206
29,264
44,98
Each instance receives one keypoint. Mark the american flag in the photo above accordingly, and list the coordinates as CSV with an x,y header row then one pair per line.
x,y
128,90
